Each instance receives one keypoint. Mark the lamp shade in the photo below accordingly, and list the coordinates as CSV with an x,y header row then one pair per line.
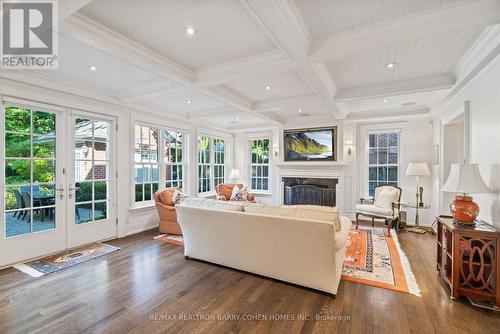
x,y
235,173
465,178
417,169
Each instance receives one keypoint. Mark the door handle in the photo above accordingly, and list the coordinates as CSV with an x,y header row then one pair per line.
x,y
70,192
61,191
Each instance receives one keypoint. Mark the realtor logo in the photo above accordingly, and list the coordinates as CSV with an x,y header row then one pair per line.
x,y
29,34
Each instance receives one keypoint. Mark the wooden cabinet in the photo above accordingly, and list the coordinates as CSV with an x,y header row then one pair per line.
x,y
468,259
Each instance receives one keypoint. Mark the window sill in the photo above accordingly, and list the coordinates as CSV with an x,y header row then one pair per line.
x,y
207,194
260,192
142,206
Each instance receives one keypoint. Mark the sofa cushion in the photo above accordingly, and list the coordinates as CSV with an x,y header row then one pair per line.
x,y
260,209
314,212
374,210
208,203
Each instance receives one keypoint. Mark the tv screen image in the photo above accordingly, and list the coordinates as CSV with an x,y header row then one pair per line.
x,y
313,144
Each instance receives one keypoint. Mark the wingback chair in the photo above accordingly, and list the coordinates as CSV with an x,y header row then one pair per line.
x,y
224,191
386,205
166,210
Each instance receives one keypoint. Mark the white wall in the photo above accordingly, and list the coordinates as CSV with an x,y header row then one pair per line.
x,y
483,92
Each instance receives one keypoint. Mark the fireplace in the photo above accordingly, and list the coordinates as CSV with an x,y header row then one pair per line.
x,y
310,191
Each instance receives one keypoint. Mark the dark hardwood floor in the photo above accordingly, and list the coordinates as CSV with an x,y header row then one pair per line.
x,y
148,286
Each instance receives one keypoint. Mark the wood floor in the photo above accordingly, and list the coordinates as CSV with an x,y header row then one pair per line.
x,y
148,287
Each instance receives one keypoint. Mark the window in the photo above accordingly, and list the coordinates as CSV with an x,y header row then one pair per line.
x,y
383,159
159,161
211,163
173,158
259,174
147,177
219,161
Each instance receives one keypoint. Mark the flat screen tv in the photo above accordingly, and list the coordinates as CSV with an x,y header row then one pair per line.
x,y
311,144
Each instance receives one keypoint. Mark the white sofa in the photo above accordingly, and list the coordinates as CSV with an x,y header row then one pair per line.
x,y
306,252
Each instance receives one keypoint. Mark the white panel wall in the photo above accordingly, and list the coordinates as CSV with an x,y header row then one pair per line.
x,y
483,92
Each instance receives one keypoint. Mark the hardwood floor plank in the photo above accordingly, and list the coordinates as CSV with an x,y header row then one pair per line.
x,y
129,291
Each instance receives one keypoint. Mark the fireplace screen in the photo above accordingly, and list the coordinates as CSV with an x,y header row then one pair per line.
x,y
310,191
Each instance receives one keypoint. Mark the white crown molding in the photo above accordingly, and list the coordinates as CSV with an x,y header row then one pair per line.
x,y
483,52
445,19
67,8
269,62
422,84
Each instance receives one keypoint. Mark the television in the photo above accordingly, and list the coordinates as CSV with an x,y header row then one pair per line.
x,y
318,144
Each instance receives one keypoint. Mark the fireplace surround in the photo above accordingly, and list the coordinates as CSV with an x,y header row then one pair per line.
x,y
310,191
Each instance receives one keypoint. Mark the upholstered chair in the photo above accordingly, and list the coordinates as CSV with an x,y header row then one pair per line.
x,y
384,205
224,191
166,210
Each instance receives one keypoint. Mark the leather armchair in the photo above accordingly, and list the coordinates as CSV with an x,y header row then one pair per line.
x,y
167,212
224,190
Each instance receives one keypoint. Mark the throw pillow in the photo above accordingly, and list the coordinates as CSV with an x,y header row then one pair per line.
x,y
236,194
386,197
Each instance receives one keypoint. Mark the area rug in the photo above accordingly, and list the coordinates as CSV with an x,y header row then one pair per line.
x,y
68,258
374,259
171,238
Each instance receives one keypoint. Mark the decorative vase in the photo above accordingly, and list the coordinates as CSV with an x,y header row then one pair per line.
x,y
464,210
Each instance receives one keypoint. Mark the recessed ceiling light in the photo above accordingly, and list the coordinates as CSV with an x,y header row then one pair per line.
x,y
268,87
190,31
385,100
189,101
300,110
93,68
390,65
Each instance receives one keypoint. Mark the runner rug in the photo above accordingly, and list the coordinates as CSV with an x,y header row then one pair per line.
x,y
63,260
374,259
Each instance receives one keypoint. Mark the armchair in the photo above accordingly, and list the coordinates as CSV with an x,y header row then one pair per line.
x,y
166,210
224,190
386,205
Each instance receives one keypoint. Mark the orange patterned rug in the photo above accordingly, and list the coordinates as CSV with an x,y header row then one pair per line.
x,y
374,259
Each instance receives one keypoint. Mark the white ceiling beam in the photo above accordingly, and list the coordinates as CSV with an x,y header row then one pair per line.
x,y
102,38
389,113
265,63
424,84
459,16
281,21
213,112
148,91
277,104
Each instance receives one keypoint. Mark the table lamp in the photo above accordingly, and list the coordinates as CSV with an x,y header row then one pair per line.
x,y
466,179
235,174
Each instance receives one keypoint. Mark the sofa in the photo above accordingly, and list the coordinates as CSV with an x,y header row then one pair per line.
x,y
224,191
165,206
277,242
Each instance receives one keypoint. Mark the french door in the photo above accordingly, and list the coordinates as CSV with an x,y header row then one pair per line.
x,y
56,189
91,175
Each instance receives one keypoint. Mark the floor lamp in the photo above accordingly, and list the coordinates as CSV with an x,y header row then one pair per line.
x,y
418,169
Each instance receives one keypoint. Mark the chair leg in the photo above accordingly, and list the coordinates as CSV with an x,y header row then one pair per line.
x,y
373,222
389,224
357,220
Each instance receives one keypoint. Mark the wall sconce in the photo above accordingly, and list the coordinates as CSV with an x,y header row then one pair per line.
x,y
348,145
276,150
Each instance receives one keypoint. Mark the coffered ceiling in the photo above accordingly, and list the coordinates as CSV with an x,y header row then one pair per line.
x,y
244,64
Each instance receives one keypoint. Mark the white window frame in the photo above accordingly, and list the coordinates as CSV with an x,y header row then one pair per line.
x,y
366,131
161,162
250,165
212,164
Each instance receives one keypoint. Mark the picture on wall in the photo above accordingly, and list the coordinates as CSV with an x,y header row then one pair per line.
x,y
310,144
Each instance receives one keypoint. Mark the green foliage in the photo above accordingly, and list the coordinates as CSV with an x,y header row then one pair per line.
x,y
10,200
19,120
